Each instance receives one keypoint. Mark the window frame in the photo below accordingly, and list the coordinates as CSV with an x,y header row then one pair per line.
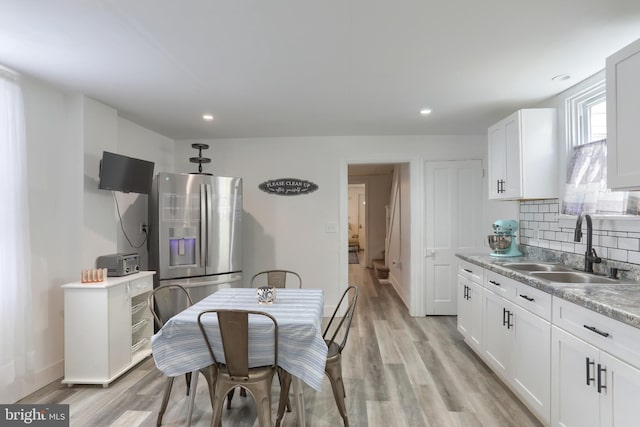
x,y
577,107
575,103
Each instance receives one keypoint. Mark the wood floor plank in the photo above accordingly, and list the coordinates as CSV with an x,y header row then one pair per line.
x,y
398,370
386,414
386,344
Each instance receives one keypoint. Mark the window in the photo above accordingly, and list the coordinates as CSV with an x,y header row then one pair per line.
x,y
587,115
586,182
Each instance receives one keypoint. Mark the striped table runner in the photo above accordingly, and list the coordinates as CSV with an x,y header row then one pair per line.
x,y
179,348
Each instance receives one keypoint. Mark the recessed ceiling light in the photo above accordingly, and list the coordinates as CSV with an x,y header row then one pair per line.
x,y
207,117
561,77
425,111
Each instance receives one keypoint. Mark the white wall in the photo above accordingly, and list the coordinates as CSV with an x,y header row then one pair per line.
x,y
55,202
135,141
289,232
72,222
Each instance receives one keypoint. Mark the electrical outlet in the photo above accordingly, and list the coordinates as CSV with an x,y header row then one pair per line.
x,y
143,229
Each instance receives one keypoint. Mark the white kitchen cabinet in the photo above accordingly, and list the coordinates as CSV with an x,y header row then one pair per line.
x,y
107,326
522,156
590,386
623,118
619,404
470,312
517,339
576,401
531,364
595,369
498,336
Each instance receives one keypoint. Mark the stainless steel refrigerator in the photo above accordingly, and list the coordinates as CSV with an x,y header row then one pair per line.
x,y
195,232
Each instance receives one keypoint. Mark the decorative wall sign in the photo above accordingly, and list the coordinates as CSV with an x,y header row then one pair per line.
x,y
288,186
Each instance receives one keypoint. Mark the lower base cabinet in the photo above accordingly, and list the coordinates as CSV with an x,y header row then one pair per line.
x,y
571,366
517,347
531,369
591,387
470,312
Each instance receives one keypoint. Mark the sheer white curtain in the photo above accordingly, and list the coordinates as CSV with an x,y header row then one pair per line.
x,y
16,335
586,187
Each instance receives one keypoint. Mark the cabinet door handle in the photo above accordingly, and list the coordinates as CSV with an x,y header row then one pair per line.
x,y
467,270
468,292
509,317
501,186
528,298
506,318
498,186
589,377
494,283
601,370
594,329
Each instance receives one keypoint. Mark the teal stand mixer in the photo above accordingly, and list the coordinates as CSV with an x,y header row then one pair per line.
x,y
503,241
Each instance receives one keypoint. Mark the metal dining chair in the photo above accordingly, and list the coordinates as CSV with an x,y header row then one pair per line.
x,y
275,278
335,336
165,302
278,279
233,326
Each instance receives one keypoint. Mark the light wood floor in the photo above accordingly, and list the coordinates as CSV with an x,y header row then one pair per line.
x,y
398,371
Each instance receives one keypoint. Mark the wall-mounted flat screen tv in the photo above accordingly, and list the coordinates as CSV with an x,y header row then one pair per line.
x,y
126,174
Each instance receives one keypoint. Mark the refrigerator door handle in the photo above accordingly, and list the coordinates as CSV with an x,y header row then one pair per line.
x,y
204,208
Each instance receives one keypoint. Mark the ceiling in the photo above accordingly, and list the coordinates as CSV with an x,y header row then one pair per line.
x,y
282,68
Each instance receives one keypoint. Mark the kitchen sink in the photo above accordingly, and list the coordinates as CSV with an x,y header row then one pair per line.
x,y
534,266
571,277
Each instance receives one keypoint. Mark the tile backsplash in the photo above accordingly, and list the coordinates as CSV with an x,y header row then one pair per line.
x,y
540,228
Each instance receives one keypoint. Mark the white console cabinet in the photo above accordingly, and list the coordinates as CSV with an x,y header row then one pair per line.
x,y
107,328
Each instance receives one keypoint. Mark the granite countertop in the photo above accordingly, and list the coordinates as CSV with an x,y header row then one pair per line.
x,y
619,301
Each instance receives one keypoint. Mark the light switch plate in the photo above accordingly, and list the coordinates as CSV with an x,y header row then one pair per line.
x,y
331,227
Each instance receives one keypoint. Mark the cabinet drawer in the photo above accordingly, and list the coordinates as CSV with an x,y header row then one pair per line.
x,y
534,300
140,286
500,285
471,271
616,338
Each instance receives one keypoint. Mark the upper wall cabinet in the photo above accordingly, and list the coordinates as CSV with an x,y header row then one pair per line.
x,y
623,118
523,156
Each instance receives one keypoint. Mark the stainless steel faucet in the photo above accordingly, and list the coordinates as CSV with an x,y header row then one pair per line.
x,y
590,256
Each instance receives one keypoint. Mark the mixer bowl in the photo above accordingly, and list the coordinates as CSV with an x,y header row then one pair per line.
x,y
499,242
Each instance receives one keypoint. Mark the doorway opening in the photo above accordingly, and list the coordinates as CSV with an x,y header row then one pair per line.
x,y
374,198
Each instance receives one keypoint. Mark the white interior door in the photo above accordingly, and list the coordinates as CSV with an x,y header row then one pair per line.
x,y
452,213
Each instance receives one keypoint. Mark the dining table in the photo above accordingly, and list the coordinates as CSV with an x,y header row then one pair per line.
x,y
179,347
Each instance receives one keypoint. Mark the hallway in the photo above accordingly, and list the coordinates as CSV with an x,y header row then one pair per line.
x,y
398,371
